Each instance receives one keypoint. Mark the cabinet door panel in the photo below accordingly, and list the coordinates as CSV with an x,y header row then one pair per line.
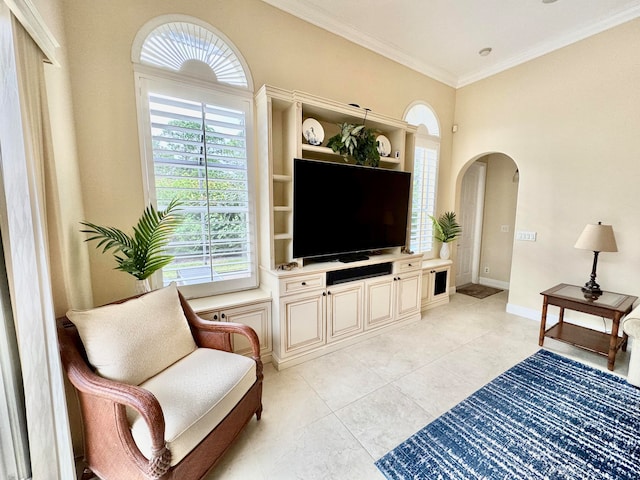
x,y
379,301
344,311
408,297
304,321
435,286
257,317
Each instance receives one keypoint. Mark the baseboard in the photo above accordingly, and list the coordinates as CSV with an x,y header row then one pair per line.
x,y
530,313
490,282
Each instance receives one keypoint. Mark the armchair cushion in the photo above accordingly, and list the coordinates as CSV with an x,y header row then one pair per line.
x,y
195,394
132,341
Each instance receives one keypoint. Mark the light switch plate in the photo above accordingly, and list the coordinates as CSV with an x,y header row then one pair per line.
x,y
526,236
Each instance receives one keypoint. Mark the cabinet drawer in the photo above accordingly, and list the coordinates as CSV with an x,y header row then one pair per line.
x,y
407,265
302,283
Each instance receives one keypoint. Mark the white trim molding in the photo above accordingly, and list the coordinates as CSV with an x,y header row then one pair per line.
x,y
490,282
27,14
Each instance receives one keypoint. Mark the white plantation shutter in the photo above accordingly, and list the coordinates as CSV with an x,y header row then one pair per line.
x,y
425,175
424,198
200,156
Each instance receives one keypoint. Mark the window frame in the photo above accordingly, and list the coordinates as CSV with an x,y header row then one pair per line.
x,y
168,83
425,139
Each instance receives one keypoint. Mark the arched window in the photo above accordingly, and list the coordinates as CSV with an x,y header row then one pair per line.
x,y
425,175
195,108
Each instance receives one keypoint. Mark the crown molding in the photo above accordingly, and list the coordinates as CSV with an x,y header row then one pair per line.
x,y
309,13
548,47
29,17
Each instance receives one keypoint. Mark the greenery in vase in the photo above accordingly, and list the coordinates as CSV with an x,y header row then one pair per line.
x,y
446,226
357,142
142,254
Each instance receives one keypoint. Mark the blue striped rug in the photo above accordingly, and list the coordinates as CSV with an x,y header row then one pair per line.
x,y
546,418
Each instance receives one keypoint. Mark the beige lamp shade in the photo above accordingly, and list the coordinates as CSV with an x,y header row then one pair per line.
x,y
597,238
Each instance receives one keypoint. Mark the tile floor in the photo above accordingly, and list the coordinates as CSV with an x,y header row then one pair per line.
x,y
332,417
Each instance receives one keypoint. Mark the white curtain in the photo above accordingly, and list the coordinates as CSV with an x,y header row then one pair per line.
x,y
25,144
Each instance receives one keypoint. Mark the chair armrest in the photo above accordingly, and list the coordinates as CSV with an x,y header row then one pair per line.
x,y
125,395
211,334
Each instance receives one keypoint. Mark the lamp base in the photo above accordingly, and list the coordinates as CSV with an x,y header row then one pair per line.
x,y
591,290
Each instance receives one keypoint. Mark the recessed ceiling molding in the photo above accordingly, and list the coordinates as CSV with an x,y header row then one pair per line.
x,y
311,14
548,47
29,17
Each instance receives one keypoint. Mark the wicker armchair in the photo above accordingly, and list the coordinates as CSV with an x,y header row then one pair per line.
x,y
107,407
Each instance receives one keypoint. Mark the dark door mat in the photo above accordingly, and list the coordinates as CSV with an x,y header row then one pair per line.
x,y
477,291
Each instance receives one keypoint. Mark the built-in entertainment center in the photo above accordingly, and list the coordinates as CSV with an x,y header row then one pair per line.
x,y
332,234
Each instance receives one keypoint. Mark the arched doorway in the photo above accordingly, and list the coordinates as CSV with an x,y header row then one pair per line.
x,y
487,212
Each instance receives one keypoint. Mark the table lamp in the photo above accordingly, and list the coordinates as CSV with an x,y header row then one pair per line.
x,y
597,238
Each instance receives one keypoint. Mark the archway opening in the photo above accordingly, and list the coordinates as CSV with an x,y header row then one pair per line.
x,y
488,198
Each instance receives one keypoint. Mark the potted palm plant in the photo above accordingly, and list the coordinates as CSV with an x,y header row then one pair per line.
x,y
447,230
142,254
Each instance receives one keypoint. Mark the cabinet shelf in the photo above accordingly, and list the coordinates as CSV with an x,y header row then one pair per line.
x,y
282,178
317,149
282,208
283,236
327,151
390,160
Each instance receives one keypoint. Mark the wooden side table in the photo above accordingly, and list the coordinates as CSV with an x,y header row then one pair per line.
x,y
608,305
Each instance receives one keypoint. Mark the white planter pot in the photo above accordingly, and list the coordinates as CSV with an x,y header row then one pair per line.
x,y
143,286
444,251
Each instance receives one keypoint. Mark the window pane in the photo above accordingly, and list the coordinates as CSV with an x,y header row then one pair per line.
x,y
424,196
200,156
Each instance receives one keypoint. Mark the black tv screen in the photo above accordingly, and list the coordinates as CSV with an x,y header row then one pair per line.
x,y
340,208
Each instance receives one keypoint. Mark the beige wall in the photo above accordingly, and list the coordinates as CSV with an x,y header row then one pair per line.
x,y
276,48
570,120
500,198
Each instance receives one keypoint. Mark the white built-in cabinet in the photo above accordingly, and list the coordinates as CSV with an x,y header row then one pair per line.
x,y
394,297
252,308
435,283
312,318
310,315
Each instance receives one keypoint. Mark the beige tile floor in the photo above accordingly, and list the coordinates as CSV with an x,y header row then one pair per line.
x,y
332,417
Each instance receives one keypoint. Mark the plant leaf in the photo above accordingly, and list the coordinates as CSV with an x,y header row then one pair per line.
x,y
142,254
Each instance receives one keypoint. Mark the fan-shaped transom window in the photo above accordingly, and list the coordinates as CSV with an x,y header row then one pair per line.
x,y
421,114
194,50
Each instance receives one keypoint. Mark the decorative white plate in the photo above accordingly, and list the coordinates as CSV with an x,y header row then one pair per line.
x,y
384,146
312,131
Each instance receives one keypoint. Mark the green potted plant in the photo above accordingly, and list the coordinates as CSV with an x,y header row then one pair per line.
x,y
447,230
357,142
142,254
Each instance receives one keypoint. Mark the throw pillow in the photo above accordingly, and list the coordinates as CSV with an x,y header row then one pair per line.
x,y
133,341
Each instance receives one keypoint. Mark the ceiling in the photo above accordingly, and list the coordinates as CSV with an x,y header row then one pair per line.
x,y
442,38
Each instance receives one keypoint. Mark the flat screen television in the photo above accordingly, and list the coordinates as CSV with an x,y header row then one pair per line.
x,y
341,209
